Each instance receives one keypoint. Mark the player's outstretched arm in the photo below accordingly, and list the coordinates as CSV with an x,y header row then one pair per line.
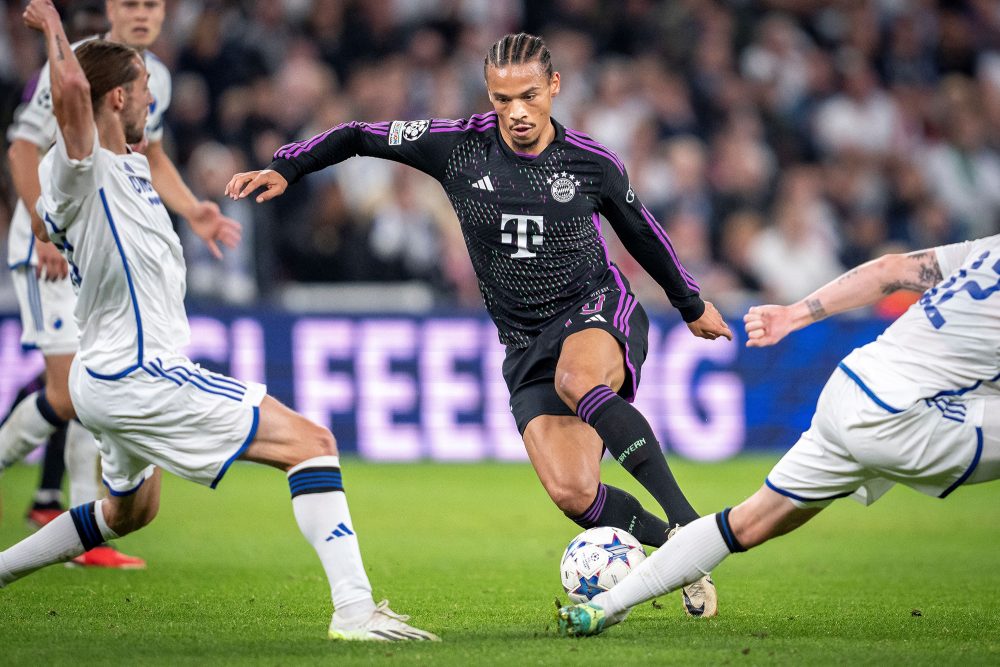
x,y
246,183
70,88
710,325
859,287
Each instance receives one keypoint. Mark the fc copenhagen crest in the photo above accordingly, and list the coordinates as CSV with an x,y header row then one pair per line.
x,y
563,186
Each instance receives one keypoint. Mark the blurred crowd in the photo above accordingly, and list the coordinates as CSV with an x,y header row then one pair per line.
x,y
779,141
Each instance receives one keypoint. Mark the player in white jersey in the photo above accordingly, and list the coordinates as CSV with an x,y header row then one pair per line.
x,y
147,404
40,274
919,406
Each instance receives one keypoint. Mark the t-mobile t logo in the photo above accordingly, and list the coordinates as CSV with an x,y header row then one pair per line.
x,y
526,233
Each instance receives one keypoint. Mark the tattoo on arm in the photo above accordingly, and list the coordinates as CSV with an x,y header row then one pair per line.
x,y
60,53
816,310
928,274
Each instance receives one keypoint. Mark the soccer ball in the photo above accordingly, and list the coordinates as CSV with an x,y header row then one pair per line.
x,y
596,560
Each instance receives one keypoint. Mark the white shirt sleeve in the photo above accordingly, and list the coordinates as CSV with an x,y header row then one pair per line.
x,y
71,178
36,121
951,257
161,89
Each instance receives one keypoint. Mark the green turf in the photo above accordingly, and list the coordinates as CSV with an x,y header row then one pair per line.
x,y
472,552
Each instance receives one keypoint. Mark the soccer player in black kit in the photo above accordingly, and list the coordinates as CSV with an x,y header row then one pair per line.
x,y
528,193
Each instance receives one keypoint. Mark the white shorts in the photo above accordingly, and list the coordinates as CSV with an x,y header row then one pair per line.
x,y
47,322
857,445
169,413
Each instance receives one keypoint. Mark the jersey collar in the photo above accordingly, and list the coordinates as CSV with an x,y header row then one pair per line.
x,y
529,157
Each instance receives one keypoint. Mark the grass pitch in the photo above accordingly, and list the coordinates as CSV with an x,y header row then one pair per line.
x,y
472,552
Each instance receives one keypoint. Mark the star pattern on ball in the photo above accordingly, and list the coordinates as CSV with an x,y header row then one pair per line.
x,y
588,587
617,549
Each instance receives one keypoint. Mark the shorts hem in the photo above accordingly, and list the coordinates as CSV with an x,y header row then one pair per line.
x,y
972,466
239,452
802,499
123,494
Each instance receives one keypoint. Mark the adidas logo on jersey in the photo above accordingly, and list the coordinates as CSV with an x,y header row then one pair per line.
x,y
484,183
596,318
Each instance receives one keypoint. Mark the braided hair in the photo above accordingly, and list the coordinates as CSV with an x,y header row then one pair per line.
x,y
517,50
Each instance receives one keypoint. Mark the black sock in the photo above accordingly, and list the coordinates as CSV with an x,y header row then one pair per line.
x,y
629,438
617,508
53,465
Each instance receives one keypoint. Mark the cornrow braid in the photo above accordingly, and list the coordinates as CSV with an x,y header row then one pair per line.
x,y
517,50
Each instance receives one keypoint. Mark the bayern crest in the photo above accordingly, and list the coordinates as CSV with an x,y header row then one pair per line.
x,y
563,186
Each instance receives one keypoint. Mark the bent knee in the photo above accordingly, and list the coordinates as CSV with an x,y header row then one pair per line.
x,y
572,499
571,386
316,441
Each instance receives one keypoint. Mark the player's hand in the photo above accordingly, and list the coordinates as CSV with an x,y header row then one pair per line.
x,y
766,325
51,264
248,182
38,12
710,325
211,226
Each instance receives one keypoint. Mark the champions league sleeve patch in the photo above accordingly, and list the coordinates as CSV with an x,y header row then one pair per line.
x,y
411,130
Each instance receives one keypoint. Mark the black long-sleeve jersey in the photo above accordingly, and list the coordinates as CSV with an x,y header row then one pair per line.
x,y
531,223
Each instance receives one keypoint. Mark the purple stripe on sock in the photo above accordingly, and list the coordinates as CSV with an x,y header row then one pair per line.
x,y
601,401
665,241
587,141
589,398
594,150
597,397
597,507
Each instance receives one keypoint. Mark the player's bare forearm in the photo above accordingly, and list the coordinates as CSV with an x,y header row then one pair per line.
x,y
168,183
70,88
24,157
866,284
857,288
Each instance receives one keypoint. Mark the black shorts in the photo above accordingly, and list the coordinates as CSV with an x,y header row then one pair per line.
x,y
530,372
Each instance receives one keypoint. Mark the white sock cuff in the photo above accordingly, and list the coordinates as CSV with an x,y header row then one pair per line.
x,y
106,532
316,462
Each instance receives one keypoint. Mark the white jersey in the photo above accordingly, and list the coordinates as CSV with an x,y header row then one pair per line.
x,y
36,122
948,343
125,258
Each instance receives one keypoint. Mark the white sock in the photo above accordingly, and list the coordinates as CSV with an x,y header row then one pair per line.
x,y
82,459
320,508
24,430
57,541
688,556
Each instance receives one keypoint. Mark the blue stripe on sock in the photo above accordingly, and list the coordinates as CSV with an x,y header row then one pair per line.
x,y
316,483
314,475
86,526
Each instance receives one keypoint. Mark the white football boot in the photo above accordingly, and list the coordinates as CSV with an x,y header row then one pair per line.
x,y
384,625
699,598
